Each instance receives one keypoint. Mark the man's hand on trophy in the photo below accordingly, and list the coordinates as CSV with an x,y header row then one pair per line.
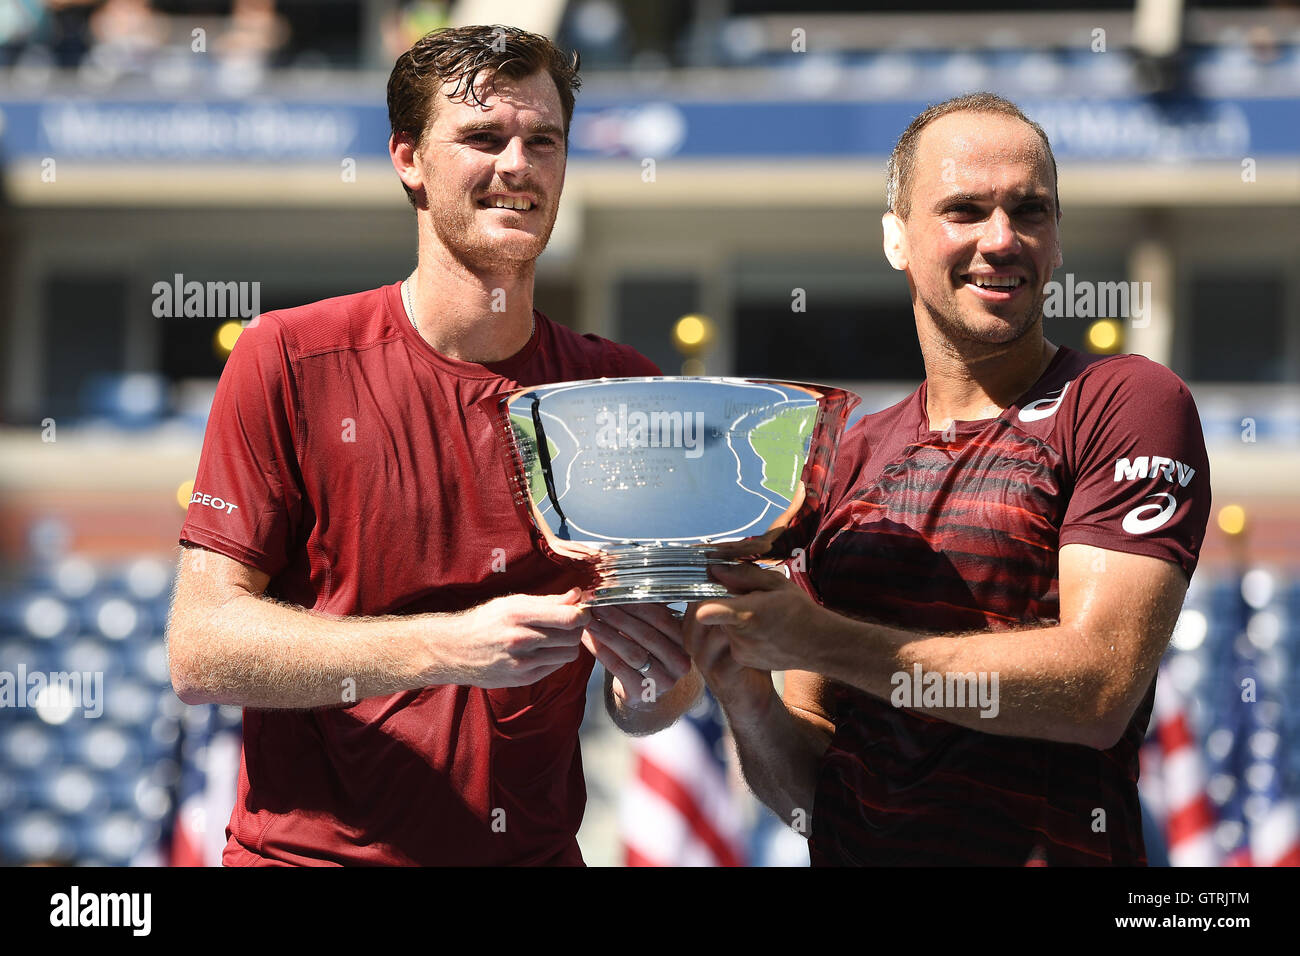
x,y
511,641
753,547
641,647
744,692
768,624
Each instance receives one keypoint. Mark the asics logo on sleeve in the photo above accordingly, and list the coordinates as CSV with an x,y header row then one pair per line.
x,y
1152,515
1135,523
1044,407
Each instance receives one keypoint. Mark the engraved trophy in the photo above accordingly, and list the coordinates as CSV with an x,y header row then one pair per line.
x,y
645,481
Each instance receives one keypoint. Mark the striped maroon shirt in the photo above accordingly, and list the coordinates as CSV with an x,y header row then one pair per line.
x,y
960,532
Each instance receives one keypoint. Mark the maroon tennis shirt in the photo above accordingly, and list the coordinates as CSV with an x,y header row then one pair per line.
x,y
960,531
345,458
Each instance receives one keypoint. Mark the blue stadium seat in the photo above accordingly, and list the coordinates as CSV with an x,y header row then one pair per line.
x,y
106,747
89,655
13,795
115,838
21,655
72,791
42,615
37,837
145,579
164,737
30,746
151,801
131,400
131,702
74,577
118,618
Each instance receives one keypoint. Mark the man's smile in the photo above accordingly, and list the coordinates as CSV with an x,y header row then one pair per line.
x,y
514,203
994,286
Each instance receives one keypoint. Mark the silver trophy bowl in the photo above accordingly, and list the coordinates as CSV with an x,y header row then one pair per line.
x,y
643,483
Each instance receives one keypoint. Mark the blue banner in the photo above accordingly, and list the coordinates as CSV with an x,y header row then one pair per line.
x,y
1116,130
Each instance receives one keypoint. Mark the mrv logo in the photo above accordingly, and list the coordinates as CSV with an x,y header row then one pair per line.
x,y
624,429
1145,467
206,300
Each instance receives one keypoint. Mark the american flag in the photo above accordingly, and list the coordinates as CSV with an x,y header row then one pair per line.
x,y
680,809
1259,824
1223,803
210,745
1173,779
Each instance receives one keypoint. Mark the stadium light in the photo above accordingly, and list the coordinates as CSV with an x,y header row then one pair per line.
x,y
226,336
692,337
1232,520
1104,337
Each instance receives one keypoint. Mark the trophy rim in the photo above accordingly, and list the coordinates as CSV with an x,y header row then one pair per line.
x,y
713,379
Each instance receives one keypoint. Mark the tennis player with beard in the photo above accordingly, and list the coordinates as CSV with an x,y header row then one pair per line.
x,y
354,574
999,565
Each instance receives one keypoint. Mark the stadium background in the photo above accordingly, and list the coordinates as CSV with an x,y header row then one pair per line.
x,y
726,160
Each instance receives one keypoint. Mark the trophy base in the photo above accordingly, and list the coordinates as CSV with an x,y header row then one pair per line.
x,y
656,574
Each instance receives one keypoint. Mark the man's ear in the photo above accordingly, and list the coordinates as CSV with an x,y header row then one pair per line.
x,y
895,240
1060,253
402,152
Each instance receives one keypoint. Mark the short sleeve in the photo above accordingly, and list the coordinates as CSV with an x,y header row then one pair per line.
x,y
798,539
1140,469
634,365
247,497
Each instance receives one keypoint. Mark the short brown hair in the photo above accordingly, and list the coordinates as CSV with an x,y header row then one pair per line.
x,y
459,55
898,194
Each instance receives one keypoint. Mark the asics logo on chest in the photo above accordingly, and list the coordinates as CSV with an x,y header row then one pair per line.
x,y
1044,407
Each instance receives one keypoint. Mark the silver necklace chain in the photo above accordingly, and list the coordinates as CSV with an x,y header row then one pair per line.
x,y
410,312
406,301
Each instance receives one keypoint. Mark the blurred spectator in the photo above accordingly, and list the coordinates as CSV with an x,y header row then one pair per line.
x,y
599,29
256,30
109,39
20,23
70,34
410,21
252,36
56,26
126,35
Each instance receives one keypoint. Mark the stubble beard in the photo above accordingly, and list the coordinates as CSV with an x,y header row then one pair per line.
x,y
952,323
461,236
